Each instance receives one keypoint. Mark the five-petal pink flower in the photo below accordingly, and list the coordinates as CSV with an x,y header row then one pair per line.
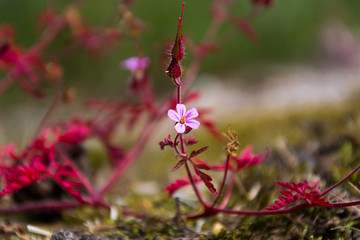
x,y
184,118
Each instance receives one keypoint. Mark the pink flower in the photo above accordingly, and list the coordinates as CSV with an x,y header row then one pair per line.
x,y
135,63
184,118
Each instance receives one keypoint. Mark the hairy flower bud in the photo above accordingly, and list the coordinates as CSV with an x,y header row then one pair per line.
x,y
174,69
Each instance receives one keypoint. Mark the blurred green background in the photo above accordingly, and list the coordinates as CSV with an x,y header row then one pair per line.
x,y
288,32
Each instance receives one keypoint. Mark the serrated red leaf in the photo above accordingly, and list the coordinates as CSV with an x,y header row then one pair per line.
x,y
208,184
298,191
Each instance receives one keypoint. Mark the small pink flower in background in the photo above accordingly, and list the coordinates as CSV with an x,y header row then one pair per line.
x,y
184,118
135,63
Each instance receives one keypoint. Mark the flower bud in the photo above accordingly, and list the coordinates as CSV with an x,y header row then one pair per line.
x,y
174,69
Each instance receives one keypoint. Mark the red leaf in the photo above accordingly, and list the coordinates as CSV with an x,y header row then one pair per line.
x,y
17,177
178,165
197,152
247,160
298,191
203,166
205,178
210,167
173,187
39,160
179,183
70,184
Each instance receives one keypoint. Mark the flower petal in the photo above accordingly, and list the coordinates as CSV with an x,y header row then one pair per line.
x,y
173,115
135,63
194,124
180,128
192,113
181,109
130,63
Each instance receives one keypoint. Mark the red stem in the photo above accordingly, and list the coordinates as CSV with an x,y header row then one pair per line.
x,y
213,211
340,182
129,157
175,146
52,107
182,10
192,181
49,34
179,94
40,206
228,191
48,205
345,204
223,181
196,190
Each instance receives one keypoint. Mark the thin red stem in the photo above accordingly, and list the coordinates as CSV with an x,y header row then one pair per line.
x,y
48,205
43,206
175,146
182,10
49,34
129,157
179,94
340,182
228,191
192,181
223,181
345,204
213,211
182,144
52,107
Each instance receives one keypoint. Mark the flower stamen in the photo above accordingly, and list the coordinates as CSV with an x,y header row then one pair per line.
x,y
183,119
